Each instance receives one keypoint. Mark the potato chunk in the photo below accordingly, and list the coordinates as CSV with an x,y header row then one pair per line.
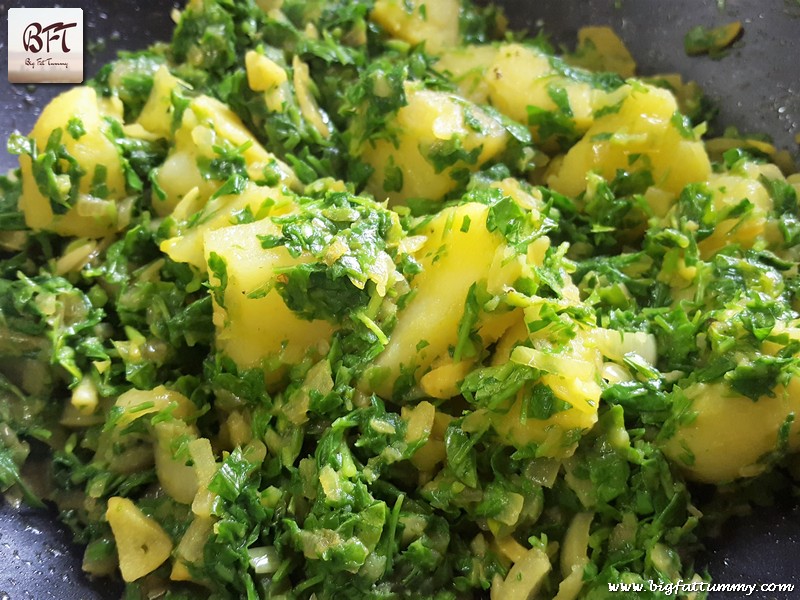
x,y
157,113
467,66
434,22
439,137
572,377
174,473
253,323
453,258
520,77
254,202
96,156
601,49
524,578
728,191
205,123
641,136
571,374
142,544
731,432
190,548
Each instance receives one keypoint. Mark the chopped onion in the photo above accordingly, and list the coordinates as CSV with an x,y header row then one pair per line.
x,y
264,559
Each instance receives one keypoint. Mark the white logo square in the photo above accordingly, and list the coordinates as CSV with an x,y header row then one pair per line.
x,y
45,45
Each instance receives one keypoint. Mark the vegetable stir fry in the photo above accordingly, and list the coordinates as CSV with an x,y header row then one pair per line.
x,y
375,299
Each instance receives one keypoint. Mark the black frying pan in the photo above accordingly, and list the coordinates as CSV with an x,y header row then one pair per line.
x,y
757,87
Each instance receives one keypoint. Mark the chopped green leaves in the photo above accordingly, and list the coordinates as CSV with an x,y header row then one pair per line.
x,y
219,268
533,417
712,41
56,172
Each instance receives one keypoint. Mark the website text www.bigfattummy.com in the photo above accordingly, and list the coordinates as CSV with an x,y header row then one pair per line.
x,y
689,587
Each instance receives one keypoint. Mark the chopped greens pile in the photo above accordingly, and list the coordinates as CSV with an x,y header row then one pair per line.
x,y
374,299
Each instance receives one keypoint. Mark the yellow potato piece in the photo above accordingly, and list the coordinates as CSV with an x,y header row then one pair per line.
x,y
255,324
728,190
524,578
263,73
732,432
452,261
420,420
187,246
640,136
521,76
157,113
572,374
601,49
434,22
443,381
90,217
176,475
205,123
429,122
548,434
467,66
142,545
190,548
